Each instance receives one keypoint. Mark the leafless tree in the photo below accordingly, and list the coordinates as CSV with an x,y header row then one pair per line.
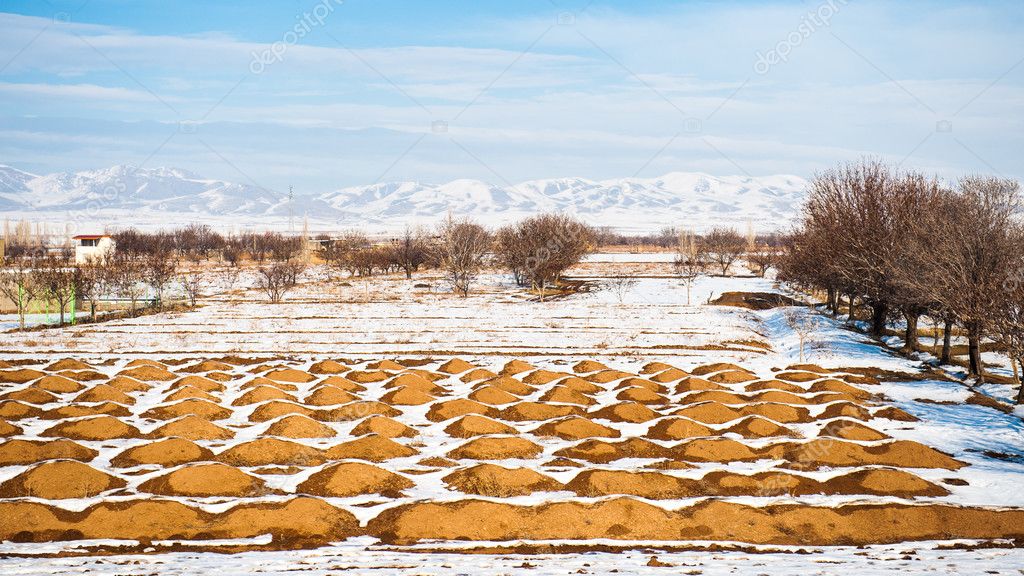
x,y
192,285
19,283
55,280
539,249
126,273
159,268
621,286
803,322
274,281
410,251
724,246
690,260
90,279
462,251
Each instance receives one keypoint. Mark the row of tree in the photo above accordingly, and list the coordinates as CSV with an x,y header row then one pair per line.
x,y
905,246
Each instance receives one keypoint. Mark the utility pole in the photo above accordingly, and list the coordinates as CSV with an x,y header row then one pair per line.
x,y
291,209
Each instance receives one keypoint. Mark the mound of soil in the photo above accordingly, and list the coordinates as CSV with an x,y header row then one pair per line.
x,y
797,376
602,452
773,385
83,410
20,375
496,448
390,365
193,407
850,430
58,384
407,397
606,376
641,383
261,381
60,480
845,410
200,382
166,453
438,462
473,425
655,367
697,384
641,395
204,480
289,375
125,384
372,448
31,395
678,429
705,369
358,411
668,376
277,408
575,428
207,366
899,453
513,367
262,394
499,482
267,451
14,410
757,427
477,374
22,452
192,428
709,413
413,381
298,426
653,485
779,397
383,426
105,393
780,413
732,377
342,384
754,300
355,479
885,482
894,413
454,408
580,385
67,364
329,396
366,377
145,362
148,373
328,367
96,428
83,375
543,377
626,412
536,411
455,366
566,395
493,396
8,429
509,384
717,450
833,385
588,366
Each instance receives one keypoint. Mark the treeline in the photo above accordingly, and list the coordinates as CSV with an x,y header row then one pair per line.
x,y
905,245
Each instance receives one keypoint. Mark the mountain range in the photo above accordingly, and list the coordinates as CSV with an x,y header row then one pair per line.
x,y
124,195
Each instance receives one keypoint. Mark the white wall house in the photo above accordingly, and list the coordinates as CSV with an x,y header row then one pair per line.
x,y
93,247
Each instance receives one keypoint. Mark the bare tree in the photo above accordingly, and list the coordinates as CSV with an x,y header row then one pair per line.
x,y
724,246
90,282
539,249
159,268
410,251
274,281
803,322
621,286
690,260
461,252
55,279
192,285
18,282
127,275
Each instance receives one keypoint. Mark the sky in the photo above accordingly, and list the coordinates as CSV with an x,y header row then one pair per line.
x,y
321,94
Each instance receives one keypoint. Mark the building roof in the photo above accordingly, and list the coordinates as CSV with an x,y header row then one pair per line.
x,y
90,236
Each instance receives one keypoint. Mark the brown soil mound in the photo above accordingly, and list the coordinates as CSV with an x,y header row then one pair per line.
x,y
696,384
329,396
641,383
779,397
407,397
365,377
20,375
30,395
455,366
189,392
298,426
732,377
894,413
653,485
588,366
474,425
718,396
580,385
267,451
850,430
832,385
414,382
221,376
535,411
328,367
845,410
105,393
773,385
201,408
499,482
899,453
885,482
383,426
754,300
706,369
496,448
798,376
385,365
477,374
201,480
277,408
192,428
543,377
342,384
8,429
83,410
438,462
167,453
372,448
668,376
454,408
678,429
200,382
606,376
626,412
147,373
513,367
21,452
757,427
145,362
125,384
262,394
575,428
358,411
261,381
207,366
67,364
643,396
59,480
83,375
566,395
709,413
96,428
717,450
297,520
355,479
14,410
493,396
58,384
508,384
289,375
655,367
779,412
602,452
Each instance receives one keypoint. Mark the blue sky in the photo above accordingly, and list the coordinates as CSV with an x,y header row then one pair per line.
x,y
323,94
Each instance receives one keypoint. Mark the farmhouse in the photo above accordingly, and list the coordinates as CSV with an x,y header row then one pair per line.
x,y
93,247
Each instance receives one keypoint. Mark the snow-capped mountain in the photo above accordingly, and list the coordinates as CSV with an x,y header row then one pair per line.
x,y
124,195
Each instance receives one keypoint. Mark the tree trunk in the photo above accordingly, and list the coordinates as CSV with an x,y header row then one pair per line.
x,y
975,367
851,304
947,341
833,305
910,335
1020,391
879,312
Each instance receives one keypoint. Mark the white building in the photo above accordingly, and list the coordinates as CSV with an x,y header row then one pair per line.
x,y
93,247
